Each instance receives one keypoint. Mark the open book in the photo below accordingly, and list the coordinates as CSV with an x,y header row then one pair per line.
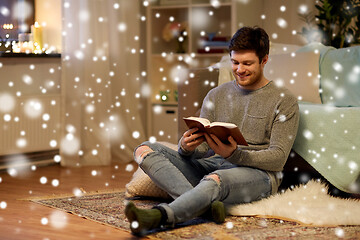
x,y
220,129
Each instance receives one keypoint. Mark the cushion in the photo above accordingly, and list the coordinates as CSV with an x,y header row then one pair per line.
x,y
340,77
225,70
141,184
298,72
340,74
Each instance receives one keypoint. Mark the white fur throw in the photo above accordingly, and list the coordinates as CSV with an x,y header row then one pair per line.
x,y
308,204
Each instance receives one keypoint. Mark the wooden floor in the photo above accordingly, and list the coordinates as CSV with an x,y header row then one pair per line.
x,y
21,219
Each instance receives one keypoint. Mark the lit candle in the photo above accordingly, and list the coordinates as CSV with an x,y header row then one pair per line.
x,y
38,38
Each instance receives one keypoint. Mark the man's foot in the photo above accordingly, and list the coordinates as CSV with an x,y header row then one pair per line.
x,y
142,220
216,212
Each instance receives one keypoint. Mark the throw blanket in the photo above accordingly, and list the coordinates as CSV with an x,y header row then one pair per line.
x,y
308,204
328,139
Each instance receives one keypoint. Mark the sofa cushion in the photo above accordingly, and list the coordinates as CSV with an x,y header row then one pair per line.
x,y
340,77
298,72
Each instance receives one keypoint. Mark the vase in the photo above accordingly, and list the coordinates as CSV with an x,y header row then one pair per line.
x,y
180,47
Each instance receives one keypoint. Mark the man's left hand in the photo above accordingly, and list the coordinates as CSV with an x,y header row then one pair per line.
x,y
224,150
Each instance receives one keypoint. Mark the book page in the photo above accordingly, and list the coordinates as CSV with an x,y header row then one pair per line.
x,y
203,121
224,124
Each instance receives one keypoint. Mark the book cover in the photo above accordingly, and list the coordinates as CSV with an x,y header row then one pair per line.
x,y
221,129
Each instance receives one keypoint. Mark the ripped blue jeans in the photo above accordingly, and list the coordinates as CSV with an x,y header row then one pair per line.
x,y
184,179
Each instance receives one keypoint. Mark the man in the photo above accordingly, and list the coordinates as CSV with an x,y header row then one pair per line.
x,y
205,173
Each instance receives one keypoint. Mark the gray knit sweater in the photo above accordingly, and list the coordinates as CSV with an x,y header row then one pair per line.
x,y
268,118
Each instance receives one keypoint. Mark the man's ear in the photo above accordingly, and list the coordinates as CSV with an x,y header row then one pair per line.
x,y
265,60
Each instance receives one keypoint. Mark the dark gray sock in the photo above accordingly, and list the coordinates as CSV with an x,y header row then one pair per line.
x,y
142,220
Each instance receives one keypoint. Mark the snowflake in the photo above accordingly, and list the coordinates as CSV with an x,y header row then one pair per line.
x,y
55,182
3,205
308,134
43,180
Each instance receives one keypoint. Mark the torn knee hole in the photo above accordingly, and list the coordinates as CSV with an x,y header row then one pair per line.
x,y
141,152
214,177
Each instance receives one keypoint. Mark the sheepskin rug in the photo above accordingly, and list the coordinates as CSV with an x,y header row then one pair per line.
x,y
307,204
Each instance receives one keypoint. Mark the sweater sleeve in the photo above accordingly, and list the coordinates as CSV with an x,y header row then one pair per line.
x,y
203,150
207,111
283,133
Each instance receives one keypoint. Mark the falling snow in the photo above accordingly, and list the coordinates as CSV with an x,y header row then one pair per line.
x,y
44,221
43,180
229,225
3,204
18,106
129,168
55,182
58,219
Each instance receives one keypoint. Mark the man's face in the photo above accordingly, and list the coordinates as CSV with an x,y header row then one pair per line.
x,y
247,70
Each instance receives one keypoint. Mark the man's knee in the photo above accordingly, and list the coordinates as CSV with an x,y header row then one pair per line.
x,y
215,177
141,152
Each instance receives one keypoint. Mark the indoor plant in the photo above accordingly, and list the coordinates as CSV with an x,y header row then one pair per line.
x,y
337,23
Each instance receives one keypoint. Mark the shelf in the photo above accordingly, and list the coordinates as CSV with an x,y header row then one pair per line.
x,y
168,104
206,2
206,55
207,25
192,55
162,7
209,5
29,55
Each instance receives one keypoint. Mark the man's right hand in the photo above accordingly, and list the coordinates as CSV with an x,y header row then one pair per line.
x,y
191,139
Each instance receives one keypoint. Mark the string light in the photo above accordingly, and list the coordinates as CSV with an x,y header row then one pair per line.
x,y
8,26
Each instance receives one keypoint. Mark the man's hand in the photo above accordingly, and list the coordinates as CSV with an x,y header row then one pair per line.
x,y
191,140
224,150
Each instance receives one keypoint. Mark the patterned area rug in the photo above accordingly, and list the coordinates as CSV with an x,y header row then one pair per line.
x,y
108,209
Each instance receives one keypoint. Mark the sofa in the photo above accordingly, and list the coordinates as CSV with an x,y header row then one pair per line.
x,y
326,82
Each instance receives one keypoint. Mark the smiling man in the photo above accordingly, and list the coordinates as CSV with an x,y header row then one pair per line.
x,y
247,69
205,173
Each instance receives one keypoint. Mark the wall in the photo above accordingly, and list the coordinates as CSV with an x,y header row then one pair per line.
x,y
266,14
248,13
284,33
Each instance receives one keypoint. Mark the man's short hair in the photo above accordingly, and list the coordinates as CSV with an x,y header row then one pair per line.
x,y
250,38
